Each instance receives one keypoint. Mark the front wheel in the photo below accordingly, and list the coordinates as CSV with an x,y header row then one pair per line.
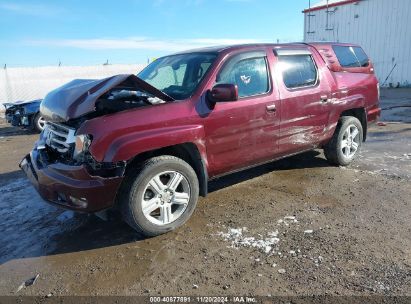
x,y
346,142
160,196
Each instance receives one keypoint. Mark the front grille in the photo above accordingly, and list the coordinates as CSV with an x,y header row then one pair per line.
x,y
59,137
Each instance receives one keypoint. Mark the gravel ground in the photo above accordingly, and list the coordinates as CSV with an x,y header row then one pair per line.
x,y
292,227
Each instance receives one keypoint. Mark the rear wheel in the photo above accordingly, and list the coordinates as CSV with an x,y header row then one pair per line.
x,y
160,196
346,142
38,123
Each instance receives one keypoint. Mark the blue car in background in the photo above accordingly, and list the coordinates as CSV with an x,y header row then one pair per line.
x,y
25,114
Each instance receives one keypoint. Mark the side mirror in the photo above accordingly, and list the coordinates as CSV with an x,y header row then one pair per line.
x,y
222,92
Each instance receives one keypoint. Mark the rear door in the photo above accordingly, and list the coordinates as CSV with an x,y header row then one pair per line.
x,y
243,132
305,94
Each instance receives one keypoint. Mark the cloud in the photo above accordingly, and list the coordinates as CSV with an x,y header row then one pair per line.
x,y
30,9
138,43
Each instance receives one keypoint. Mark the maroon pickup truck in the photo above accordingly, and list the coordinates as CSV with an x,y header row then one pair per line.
x,y
149,144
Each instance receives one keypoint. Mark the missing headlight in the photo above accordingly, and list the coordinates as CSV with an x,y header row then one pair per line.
x,y
82,143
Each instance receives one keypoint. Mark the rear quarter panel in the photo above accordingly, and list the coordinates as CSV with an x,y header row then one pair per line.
x,y
352,88
353,91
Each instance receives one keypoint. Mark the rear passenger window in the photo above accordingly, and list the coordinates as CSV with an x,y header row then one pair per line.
x,y
361,56
298,71
351,57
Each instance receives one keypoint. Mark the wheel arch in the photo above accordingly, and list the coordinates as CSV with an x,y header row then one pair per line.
x,y
188,152
361,115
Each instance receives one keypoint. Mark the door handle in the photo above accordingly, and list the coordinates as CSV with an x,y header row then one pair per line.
x,y
324,98
271,108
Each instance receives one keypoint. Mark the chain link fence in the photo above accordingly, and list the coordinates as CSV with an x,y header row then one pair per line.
x,y
30,83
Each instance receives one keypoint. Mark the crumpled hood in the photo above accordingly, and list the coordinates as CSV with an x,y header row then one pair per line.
x,y
78,97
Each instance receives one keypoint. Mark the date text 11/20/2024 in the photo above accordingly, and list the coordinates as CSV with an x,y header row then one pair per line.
x,y
205,299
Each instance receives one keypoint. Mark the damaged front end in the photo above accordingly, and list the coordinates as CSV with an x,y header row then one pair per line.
x,y
78,101
73,187
59,143
64,172
68,107
82,98
61,166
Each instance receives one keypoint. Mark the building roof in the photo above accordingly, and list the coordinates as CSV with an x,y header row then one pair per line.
x,y
331,3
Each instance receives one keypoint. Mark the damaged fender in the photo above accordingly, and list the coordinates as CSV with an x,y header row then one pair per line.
x,y
132,144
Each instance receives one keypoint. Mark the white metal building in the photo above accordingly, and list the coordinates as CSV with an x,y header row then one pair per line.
x,y
381,27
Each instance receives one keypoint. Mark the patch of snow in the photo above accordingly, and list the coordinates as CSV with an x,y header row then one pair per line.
x,y
381,286
287,220
238,239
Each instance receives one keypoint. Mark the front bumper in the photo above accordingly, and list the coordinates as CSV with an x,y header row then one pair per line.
x,y
71,187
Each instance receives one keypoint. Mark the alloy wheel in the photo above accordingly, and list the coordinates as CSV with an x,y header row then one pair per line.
x,y
165,197
350,141
41,123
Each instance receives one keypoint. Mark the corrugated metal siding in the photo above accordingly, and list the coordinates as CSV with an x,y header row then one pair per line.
x,y
381,27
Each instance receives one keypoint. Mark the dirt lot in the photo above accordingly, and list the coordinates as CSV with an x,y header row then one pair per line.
x,y
292,227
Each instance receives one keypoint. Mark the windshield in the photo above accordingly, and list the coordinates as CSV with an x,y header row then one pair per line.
x,y
178,75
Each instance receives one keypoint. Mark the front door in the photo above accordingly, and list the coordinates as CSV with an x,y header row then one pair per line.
x,y
243,132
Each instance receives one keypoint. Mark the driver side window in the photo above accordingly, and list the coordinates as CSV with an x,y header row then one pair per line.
x,y
249,74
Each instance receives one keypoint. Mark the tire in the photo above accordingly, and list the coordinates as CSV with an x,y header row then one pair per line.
x,y
174,200
38,123
344,147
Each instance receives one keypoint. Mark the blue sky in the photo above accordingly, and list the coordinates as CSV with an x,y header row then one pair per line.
x,y
74,32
